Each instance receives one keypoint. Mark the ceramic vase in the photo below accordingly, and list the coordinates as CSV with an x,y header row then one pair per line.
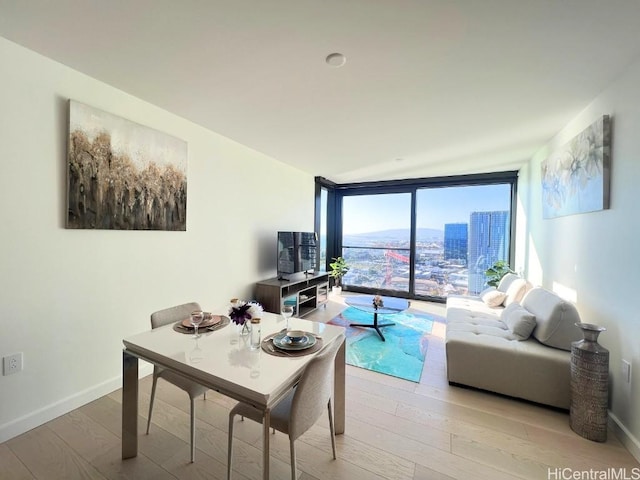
x,y
589,385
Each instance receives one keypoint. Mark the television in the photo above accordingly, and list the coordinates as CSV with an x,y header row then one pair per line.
x,y
296,252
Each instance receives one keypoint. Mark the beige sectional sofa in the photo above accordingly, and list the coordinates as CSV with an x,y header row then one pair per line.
x,y
521,349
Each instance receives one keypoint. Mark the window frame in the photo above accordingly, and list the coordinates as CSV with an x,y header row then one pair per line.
x,y
337,192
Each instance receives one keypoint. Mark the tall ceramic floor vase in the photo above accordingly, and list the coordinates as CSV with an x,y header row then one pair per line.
x,y
589,385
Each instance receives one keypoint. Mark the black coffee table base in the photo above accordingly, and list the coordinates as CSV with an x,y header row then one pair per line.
x,y
377,326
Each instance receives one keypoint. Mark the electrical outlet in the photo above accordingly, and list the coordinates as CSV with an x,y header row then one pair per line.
x,y
12,364
626,371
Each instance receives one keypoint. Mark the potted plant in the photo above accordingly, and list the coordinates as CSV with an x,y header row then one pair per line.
x,y
339,269
496,271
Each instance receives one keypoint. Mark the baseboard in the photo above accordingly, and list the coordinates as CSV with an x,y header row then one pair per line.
x,y
48,413
625,436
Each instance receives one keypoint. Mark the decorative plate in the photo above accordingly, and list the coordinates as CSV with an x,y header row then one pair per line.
x,y
280,341
209,322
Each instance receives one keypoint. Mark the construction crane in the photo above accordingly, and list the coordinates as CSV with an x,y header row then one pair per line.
x,y
391,254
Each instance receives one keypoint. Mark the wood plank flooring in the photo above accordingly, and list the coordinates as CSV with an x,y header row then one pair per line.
x,y
395,429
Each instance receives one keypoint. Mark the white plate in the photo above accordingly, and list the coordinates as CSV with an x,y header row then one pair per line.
x,y
280,342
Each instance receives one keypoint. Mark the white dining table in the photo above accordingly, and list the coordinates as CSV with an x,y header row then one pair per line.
x,y
223,361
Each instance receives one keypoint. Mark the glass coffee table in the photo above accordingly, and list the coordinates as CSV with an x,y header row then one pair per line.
x,y
391,306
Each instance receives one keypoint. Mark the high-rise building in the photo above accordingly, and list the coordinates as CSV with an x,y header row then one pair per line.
x,y
455,241
488,243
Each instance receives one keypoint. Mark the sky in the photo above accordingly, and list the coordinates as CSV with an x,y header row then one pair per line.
x,y
435,207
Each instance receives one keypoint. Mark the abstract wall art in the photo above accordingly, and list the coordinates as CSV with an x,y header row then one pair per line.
x,y
575,178
122,175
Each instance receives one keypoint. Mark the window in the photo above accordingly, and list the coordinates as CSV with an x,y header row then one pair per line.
x,y
421,238
461,231
376,237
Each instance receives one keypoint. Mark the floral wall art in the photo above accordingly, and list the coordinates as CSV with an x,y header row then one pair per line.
x,y
575,178
122,175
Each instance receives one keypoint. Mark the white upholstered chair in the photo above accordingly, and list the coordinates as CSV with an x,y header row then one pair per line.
x,y
158,319
301,408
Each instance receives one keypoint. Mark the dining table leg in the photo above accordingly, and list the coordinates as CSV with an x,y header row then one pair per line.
x,y
339,389
266,423
129,405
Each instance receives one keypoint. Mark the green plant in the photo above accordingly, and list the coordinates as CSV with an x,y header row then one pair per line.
x,y
339,269
496,271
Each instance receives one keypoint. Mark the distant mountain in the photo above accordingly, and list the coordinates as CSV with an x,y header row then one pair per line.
x,y
422,235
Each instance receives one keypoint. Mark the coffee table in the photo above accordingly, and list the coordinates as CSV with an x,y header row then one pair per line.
x,y
391,306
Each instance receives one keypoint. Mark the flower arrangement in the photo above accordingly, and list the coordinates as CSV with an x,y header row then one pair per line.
x,y
377,302
240,311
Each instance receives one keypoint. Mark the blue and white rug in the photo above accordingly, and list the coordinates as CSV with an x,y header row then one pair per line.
x,y
401,355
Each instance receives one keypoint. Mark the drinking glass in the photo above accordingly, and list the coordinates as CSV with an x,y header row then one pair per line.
x,y
287,312
196,320
255,334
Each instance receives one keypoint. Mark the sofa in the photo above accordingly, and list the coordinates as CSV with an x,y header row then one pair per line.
x,y
514,340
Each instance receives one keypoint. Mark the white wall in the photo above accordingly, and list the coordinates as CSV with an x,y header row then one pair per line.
x,y
68,297
595,256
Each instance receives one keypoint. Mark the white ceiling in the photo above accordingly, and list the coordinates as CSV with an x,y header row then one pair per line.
x,y
448,86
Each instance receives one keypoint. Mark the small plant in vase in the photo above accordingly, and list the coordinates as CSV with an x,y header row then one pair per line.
x,y
339,269
242,312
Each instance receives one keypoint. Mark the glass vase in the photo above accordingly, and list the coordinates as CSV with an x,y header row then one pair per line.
x,y
245,329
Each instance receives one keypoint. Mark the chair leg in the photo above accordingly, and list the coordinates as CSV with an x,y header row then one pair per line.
x,y
230,447
292,447
153,396
331,430
204,395
193,429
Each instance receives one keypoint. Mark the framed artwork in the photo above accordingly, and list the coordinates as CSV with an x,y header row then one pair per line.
x,y
575,178
122,175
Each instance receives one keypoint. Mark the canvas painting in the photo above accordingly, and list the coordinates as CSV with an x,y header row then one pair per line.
x,y
575,178
122,175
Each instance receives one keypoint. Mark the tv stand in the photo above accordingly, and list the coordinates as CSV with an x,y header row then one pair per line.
x,y
305,291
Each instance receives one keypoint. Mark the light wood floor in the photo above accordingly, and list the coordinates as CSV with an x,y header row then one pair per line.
x,y
395,430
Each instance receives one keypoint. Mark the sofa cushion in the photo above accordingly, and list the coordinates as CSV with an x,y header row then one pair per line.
x,y
507,280
556,318
516,291
493,297
519,321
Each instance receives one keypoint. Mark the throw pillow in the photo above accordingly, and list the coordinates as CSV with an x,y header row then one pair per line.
x,y
520,321
492,297
516,291
506,281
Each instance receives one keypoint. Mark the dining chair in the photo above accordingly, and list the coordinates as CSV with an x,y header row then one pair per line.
x,y
159,319
300,408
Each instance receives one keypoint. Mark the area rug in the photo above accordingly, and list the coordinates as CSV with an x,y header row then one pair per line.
x,y
401,355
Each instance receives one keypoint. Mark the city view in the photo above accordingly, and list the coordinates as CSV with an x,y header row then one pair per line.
x,y
464,238
449,261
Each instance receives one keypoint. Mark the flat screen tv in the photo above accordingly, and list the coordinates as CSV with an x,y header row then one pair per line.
x,y
296,252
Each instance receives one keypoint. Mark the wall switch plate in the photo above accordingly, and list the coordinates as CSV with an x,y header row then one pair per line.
x,y
626,371
12,364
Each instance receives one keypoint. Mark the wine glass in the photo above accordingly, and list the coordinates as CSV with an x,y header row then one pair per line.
x,y
196,319
287,312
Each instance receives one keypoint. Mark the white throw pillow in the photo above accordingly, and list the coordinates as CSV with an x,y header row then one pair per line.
x,y
520,321
515,292
492,297
506,281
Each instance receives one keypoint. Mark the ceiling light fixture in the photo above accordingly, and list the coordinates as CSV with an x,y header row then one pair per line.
x,y
335,60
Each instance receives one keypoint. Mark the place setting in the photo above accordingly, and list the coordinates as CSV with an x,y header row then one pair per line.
x,y
288,343
201,321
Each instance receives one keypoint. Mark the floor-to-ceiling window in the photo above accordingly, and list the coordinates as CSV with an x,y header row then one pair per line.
x,y
376,238
423,238
461,232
